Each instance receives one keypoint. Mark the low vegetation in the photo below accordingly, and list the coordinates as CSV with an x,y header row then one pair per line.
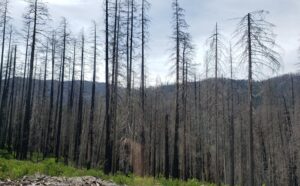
x,y
15,169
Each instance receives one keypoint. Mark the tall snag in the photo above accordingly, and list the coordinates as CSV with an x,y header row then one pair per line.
x,y
92,110
4,8
78,128
36,14
215,56
144,21
177,10
256,39
61,101
108,140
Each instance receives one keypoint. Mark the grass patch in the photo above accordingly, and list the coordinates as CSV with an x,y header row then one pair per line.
x,y
15,169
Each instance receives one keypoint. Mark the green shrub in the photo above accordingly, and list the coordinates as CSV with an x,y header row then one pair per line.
x,y
122,179
52,168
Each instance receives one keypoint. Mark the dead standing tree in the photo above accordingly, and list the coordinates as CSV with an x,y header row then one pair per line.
x,y
179,25
92,111
144,22
60,114
187,69
231,124
4,19
79,122
48,148
37,14
256,39
215,55
108,139
4,96
11,104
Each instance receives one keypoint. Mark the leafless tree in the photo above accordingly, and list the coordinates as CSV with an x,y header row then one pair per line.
x,y
216,54
37,14
4,20
179,25
256,39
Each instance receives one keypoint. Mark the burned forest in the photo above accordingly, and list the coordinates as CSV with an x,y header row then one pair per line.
x,y
87,97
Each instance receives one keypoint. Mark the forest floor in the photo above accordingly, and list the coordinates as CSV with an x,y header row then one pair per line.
x,y
48,172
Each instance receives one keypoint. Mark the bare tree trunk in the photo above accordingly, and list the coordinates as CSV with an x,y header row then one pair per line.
x,y
11,104
4,98
216,109
78,130
184,115
167,155
142,135
44,98
50,124
175,168
231,126
114,93
58,134
250,99
91,122
28,108
3,41
21,103
108,140
242,149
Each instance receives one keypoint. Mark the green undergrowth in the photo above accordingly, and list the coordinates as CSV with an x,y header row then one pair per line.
x,y
15,169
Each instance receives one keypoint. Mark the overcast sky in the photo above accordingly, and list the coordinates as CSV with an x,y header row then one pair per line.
x,y
201,15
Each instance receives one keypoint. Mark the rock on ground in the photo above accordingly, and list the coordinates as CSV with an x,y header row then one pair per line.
x,y
42,180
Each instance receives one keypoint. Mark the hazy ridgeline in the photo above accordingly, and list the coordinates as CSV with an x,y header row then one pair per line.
x,y
215,129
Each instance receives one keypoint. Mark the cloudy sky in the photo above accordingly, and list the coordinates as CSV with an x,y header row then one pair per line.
x,y
201,15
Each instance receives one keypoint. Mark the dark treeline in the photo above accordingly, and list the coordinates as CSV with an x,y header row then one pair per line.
x,y
210,127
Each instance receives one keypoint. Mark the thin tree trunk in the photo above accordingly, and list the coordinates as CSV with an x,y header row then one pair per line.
x,y
91,122
175,169
28,108
78,130
12,94
143,140
50,120
231,126
58,134
250,96
3,41
167,161
216,109
21,112
70,106
108,140
4,97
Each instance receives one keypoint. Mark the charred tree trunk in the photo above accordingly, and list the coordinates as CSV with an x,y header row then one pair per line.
x,y
3,41
79,122
216,109
175,168
92,111
250,106
28,108
21,103
12,105
167,155
60,113
48,146
231,127
108,139
4,98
